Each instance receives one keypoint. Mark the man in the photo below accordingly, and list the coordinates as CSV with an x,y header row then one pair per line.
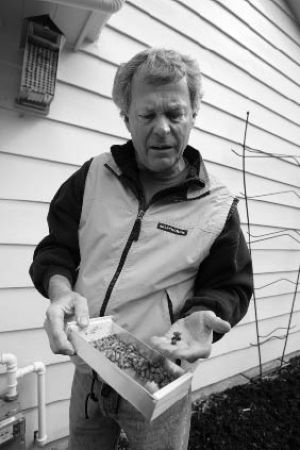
x,y
143,233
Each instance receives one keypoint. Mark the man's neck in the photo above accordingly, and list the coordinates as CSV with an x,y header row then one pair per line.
x,y
164,176
154,182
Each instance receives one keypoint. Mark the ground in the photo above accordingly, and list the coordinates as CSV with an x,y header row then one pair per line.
x,y
263,414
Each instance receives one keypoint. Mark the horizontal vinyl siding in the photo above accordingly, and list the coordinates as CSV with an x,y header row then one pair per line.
x,y
278,18
235,59
278,305
213,18
267,28
78,107
70,139
23,222
275,283
18,303
229,75
244,335
29,344
249,56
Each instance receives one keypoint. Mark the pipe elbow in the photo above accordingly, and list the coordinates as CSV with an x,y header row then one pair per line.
x,y
11,363
10,360
41,442
39,367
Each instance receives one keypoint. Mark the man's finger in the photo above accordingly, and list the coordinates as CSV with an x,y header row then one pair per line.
x,y
219,325
188,353
192,353
81,311
58,340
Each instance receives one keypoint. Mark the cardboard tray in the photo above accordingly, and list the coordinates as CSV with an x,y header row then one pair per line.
x,y
125,381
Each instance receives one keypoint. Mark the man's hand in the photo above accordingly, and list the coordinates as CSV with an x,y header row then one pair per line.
x,y
196,332
65,305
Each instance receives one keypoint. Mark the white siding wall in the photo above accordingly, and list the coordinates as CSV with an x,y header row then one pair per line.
x,y
249,55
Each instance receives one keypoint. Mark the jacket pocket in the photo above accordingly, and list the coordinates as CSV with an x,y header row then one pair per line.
x,y
176,297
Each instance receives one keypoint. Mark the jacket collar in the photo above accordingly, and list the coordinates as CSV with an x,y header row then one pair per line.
x,y
124,157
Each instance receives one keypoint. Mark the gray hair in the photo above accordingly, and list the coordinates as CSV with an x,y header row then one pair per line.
x,y
159,66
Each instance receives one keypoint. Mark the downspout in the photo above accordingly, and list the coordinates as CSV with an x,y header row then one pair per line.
x,y
13,373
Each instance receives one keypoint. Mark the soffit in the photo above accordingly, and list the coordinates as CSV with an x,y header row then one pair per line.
x,y
77,24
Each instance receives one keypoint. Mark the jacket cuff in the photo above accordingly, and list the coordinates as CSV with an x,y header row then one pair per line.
x,y
53,270
195,309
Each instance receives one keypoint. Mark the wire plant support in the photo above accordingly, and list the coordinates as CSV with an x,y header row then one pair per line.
x,y
257,153
290,317
249,241
273,235
291,233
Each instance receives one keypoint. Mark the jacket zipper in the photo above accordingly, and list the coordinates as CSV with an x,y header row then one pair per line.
x,y
134,235
172,320
170,307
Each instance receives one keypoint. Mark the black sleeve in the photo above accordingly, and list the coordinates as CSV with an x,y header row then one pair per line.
x,y
224,283
58,253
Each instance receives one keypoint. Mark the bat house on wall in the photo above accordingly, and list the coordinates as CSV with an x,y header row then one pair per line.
x,y
41,40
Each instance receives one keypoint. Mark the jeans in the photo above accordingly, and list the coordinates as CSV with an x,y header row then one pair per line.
x,y
111,413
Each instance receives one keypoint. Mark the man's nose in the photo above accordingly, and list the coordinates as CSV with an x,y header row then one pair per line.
x,y
162,126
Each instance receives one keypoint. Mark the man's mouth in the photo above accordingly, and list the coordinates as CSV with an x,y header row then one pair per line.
x,y
161,147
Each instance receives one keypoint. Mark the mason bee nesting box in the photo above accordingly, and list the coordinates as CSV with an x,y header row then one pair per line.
x,y
140,374
41,40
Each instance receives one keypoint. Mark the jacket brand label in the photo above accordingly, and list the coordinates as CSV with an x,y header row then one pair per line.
x,y
170,229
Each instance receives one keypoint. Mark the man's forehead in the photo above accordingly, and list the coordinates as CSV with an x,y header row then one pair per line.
x,y
169,104
175,92
144,80
157,74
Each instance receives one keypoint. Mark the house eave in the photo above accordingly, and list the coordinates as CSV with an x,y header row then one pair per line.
x,y
294,6
79,20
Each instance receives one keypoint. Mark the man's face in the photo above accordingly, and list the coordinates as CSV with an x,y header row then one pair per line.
x,y
160,120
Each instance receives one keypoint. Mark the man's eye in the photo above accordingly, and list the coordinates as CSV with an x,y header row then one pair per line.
x,y
175,116
147,116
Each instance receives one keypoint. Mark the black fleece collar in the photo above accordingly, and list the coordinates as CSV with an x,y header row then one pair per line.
x,y
124,156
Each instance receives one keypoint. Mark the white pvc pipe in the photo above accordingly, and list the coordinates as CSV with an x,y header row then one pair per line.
x,y
13,373
11,363
110,6
40,370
